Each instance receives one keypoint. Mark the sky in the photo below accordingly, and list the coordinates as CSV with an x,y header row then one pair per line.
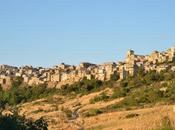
x,y
49,32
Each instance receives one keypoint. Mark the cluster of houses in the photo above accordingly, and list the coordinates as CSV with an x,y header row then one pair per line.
x,y
68,74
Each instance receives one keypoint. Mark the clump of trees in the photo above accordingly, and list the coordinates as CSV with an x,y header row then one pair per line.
x,y
16,122
83,87
20,93
92,112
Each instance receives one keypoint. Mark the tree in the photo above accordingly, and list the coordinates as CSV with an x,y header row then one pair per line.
x,y
17,81
114,77
16,122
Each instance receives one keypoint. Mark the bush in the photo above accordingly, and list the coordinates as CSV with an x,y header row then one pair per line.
x,y
16,122
102,97
17,81
92,112
83,87
119,92
152,76
114,77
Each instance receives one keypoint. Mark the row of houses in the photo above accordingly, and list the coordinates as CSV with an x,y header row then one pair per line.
x,y
68,74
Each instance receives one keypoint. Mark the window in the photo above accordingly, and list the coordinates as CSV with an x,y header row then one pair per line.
x,y
4,81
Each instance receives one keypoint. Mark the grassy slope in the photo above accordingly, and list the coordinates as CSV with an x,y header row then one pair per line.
x,y
55,110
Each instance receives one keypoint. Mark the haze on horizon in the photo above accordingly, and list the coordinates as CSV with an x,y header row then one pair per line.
x,y
46,33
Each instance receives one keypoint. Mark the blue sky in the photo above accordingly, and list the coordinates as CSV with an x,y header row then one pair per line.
x,y
48,32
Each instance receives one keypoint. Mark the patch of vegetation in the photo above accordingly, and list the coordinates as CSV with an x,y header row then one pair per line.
x,y
16,122
142,89
92,112
24,93
114,77
20,93
102,97
83,87
117,93
145,90
141,97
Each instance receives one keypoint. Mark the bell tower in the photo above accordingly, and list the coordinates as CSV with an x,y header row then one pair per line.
x,y
129,56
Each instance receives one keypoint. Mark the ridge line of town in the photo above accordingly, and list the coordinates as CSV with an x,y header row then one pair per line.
x,y
68,74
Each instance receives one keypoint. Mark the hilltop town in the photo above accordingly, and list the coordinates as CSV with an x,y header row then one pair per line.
x,y
69,97
67,74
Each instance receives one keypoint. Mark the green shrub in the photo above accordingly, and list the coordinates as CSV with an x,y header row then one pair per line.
x,y
114,77
16,122
119,92
152,76
92,112
102,97
83,87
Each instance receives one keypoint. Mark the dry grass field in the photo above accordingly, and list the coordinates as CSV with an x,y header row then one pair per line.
x,y
63,113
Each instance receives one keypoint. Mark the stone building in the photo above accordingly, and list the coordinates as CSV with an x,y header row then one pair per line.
x,y
5,81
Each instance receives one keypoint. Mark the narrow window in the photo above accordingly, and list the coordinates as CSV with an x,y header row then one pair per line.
x,y
4,81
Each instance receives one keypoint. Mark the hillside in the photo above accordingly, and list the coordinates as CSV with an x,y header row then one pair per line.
x,y
138,119
142,102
